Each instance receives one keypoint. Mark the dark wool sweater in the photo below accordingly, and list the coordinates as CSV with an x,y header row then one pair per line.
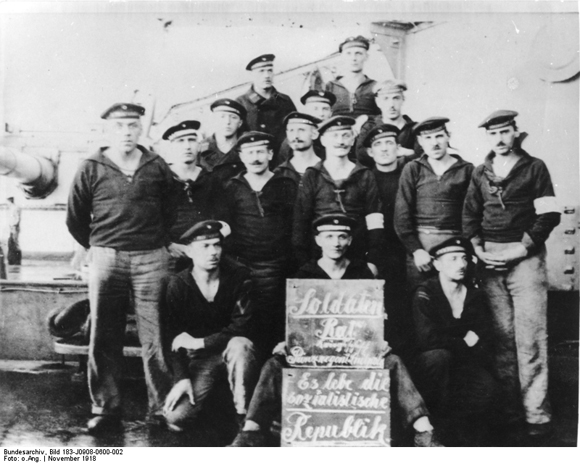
x,y
107,209
502,210
184,309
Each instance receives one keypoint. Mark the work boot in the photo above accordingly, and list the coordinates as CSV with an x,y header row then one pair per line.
x,y
427,439
249,439
539,430
102,424
539,434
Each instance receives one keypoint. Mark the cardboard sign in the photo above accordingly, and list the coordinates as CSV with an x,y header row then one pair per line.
x,y
335,323
335,408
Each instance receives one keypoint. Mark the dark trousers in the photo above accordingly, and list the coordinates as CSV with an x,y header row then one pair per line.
x,y
454,387
399,327
269,279
266,404
237,364
14,256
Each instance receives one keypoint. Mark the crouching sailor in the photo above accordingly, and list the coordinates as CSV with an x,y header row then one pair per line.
x,y
208,312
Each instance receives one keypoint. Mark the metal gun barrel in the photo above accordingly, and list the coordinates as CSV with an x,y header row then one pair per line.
x,y
37,173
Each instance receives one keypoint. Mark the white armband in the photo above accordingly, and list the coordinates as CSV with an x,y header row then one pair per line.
x,y
225,230
375,220
546,204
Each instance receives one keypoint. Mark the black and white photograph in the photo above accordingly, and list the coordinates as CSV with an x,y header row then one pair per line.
x,y
180,180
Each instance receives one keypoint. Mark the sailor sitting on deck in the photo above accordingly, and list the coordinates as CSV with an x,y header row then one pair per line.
x,y
333,236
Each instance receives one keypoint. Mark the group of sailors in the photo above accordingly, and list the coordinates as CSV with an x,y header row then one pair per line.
x,y
200,242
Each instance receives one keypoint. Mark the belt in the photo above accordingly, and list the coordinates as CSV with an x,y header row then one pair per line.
x,y
437,231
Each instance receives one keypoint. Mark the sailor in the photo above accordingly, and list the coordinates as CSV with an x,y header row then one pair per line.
x,y
337,185
510,210
453,370
353,90
333,234
258,207
430,198
318,104
219,153
301,133
381,144
14,256
207,311
265,106
121,206
390,98
194,191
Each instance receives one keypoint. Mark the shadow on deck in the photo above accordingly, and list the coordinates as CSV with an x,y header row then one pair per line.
x,y
47,405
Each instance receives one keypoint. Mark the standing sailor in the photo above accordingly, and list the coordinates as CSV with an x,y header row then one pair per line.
x,y
510,210
219,153
120,205
194,193
266,107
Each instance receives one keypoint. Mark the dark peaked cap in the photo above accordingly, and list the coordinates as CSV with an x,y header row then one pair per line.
x,y
358,41
123,111
181,129
381,131
319,95
255,138
206,230
261,61
459,244
297,117
334,222
340,122
227,104
430,125
498,119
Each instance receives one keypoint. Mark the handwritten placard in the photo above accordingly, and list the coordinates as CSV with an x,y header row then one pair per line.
x,y
335,408
334,323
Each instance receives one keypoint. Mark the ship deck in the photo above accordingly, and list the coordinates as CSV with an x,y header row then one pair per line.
x,y
45,404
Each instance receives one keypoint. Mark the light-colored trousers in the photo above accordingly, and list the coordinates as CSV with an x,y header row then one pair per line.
x,y
518,299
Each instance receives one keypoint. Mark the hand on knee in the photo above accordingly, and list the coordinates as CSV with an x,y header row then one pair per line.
x,y
183,390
